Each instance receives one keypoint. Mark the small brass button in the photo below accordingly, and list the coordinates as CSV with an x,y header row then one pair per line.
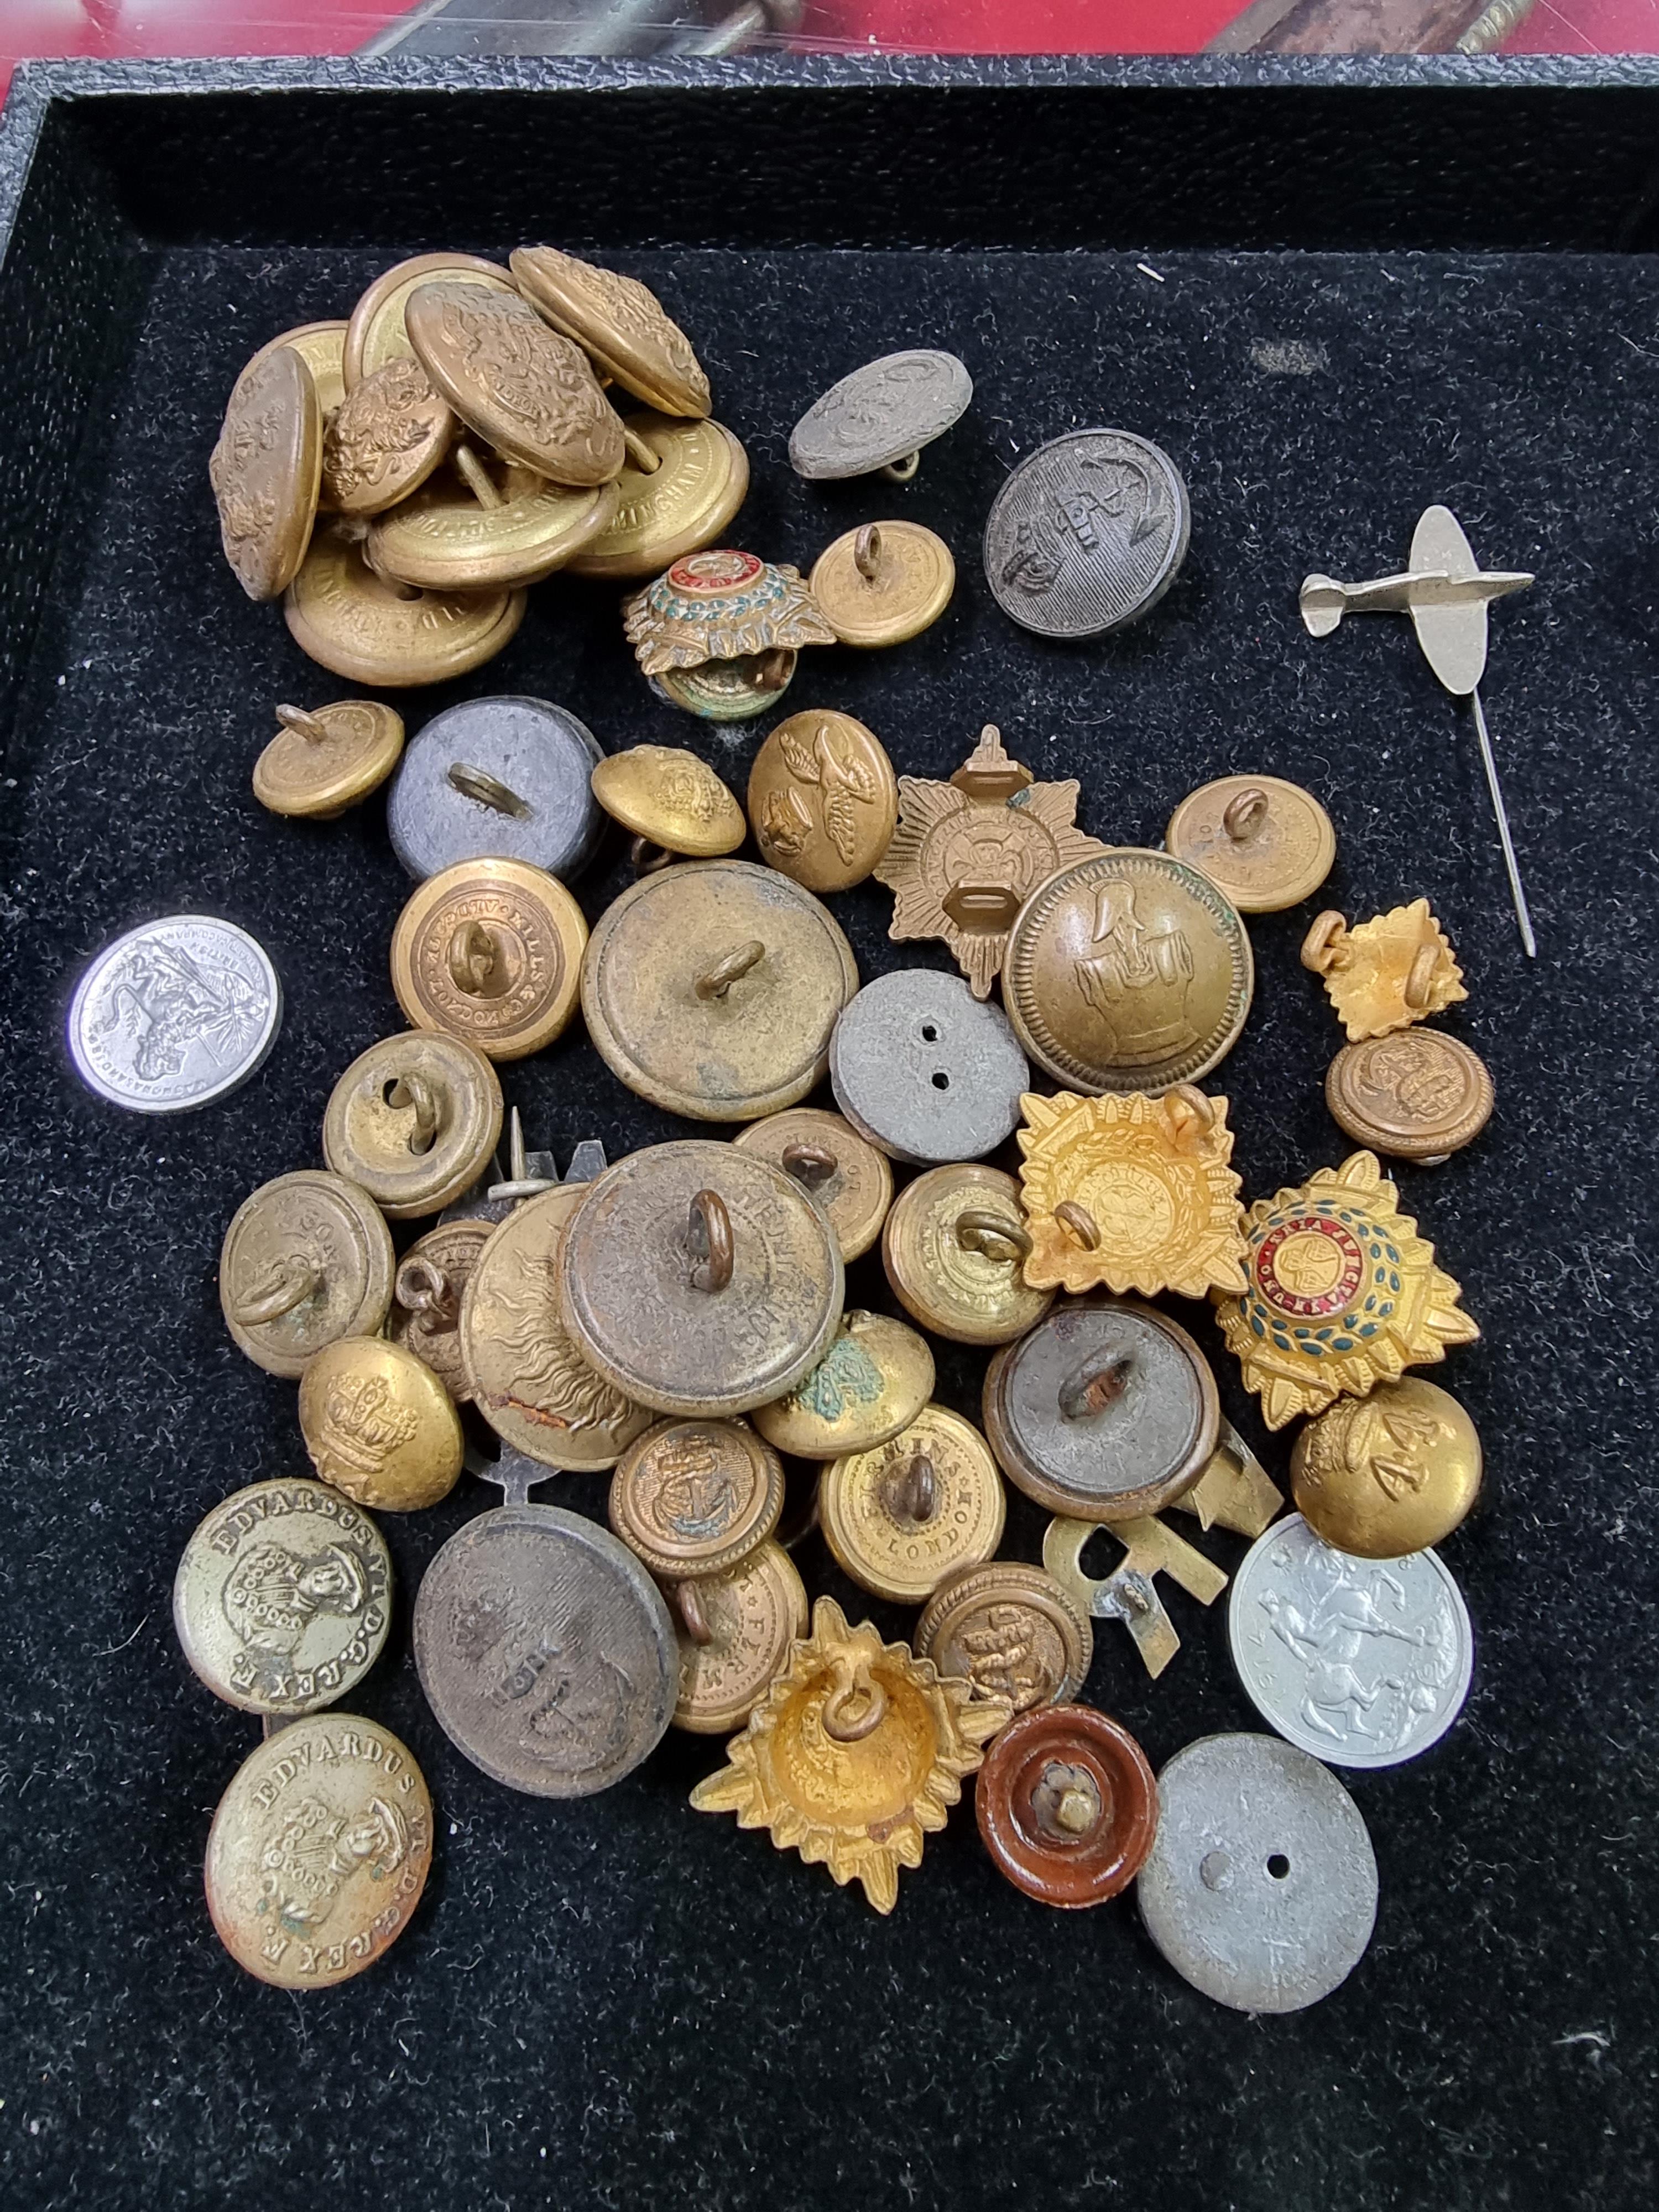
x,y
266,470
1383,1476
497,779
380,1425
822,800
847,1177
1386,973
415,1120
385,440
620,322
696,1498
1417,1093
671,798
377,333
1268,843
475,528
900,1517
350,620
430,1283
1066,1806
872,1381
324,759
525,390
306,1260
736,1630
953,1248
883,583
490,951
1011,1630
684,503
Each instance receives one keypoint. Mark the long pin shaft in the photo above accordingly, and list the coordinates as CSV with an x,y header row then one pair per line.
x,y
1522,915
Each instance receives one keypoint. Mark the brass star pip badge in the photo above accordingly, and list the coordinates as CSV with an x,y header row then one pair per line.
x,y
1386,973
967,853
1129,1193
1343,1293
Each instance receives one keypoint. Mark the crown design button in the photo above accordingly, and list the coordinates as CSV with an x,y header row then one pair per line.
x,y
380,1425
1417,1093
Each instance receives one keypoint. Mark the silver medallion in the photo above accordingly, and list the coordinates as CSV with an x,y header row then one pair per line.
x,y
505,778
926,1072
880,417
1261,1886
1087,534
1362,1662
174,1014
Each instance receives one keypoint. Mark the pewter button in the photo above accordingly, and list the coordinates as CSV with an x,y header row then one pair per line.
x,y
883,413
924,1071
1087,534
174,1015
504,779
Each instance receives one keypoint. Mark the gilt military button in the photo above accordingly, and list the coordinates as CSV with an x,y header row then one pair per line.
x,y
1128,971
671,798
883,583
1418,1094
1066,1805
321,346
735,1634
385,440
527,392
1389,1474
502,779
620,322
881,417
719,631
847,1177
473,529
1106,1412
306,1260
380,1425
324,759
388,635
415,1120
1087,534
900,1517
662,514
174,1015
712,989
953,1248
822,799
427,1289
266,470
694,1497
490,951
1268,843
1011,1630
872,1381
377,333
925,1070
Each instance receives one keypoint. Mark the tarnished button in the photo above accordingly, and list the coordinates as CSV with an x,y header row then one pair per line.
x,y
1130,971
721,629
695,1497
1129,1593
390,636
822,800
474,528
900,1517
1418,1094
490,951
497,779
712,989
527,392
684,504
1066,1805
699,1279
318,1852
847,1177
881,417
321,346
1386,973
883,583
385,440
620,322
1106,1412
872,1381
307,1258
266,469
670,799
1260,1887
282,1597
736,1631
380,1425
1087,534
1389,1474
925,1070
1268,843
427,1289
174,1015
528,1380
952,1248
414,1120
1011,1630
324,759
377,333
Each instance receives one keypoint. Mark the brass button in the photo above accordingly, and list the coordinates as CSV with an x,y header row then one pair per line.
x,y
502,778
847,1177
671,798
415,1120
525,390
872,1381
1107,1411
490,951
954,1247
1268,843
695,1497
306,1260
266,469
430,1283
1418,1094
321,346
699,1279
620,322
350,620
1010,1630
380,1425
1127,972
883,583
736,1630
684,503
324,759
377,333
729,625
1383,1476
476,529
903,1517
1066,1806
385,440
822,799
1386,973
712,988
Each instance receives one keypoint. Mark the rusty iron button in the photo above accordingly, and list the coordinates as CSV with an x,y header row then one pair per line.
x,y
306,1260
1106,1412
1417,1094
490,951
925,1070
872,1381
415,1120
1268,843
695,1497
699,1279
849,1179
954,1247
497,779
712,989
1011,1630
1066,1805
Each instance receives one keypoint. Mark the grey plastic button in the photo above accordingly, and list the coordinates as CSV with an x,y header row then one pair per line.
x,y
926,1072
503,779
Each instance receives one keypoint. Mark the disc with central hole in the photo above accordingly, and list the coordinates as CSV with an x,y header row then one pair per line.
x,y
926,1070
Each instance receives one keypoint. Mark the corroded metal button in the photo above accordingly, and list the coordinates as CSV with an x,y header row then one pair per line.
x,y
684,503
318,1852
377,333
620,322
1087,534
872,1381
415,1120
699,1279
1106,1412
1011,1630
881,417
282,1597
712,989
1130,971
430,1283
265,472
1268,843
385,634
694,1497
736,1631
847,1177
1382,1476
953,1246
527,392
490,951
497,779
925,1070
900,1517
883,583
1418,1094
477,528
822,800
385,440
324,759
1066,1805
307,1259
670,799
1386,973
380,1425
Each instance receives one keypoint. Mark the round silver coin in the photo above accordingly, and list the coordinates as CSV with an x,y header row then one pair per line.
x,y
545,1650
926,1072
174,1014
1087,534
1260,1887
881,413
1362,1662
506,779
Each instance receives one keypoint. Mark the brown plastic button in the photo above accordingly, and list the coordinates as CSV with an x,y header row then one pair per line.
x,y
1066,1805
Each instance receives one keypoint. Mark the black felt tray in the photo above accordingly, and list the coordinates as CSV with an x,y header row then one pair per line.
x,y
1334,293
